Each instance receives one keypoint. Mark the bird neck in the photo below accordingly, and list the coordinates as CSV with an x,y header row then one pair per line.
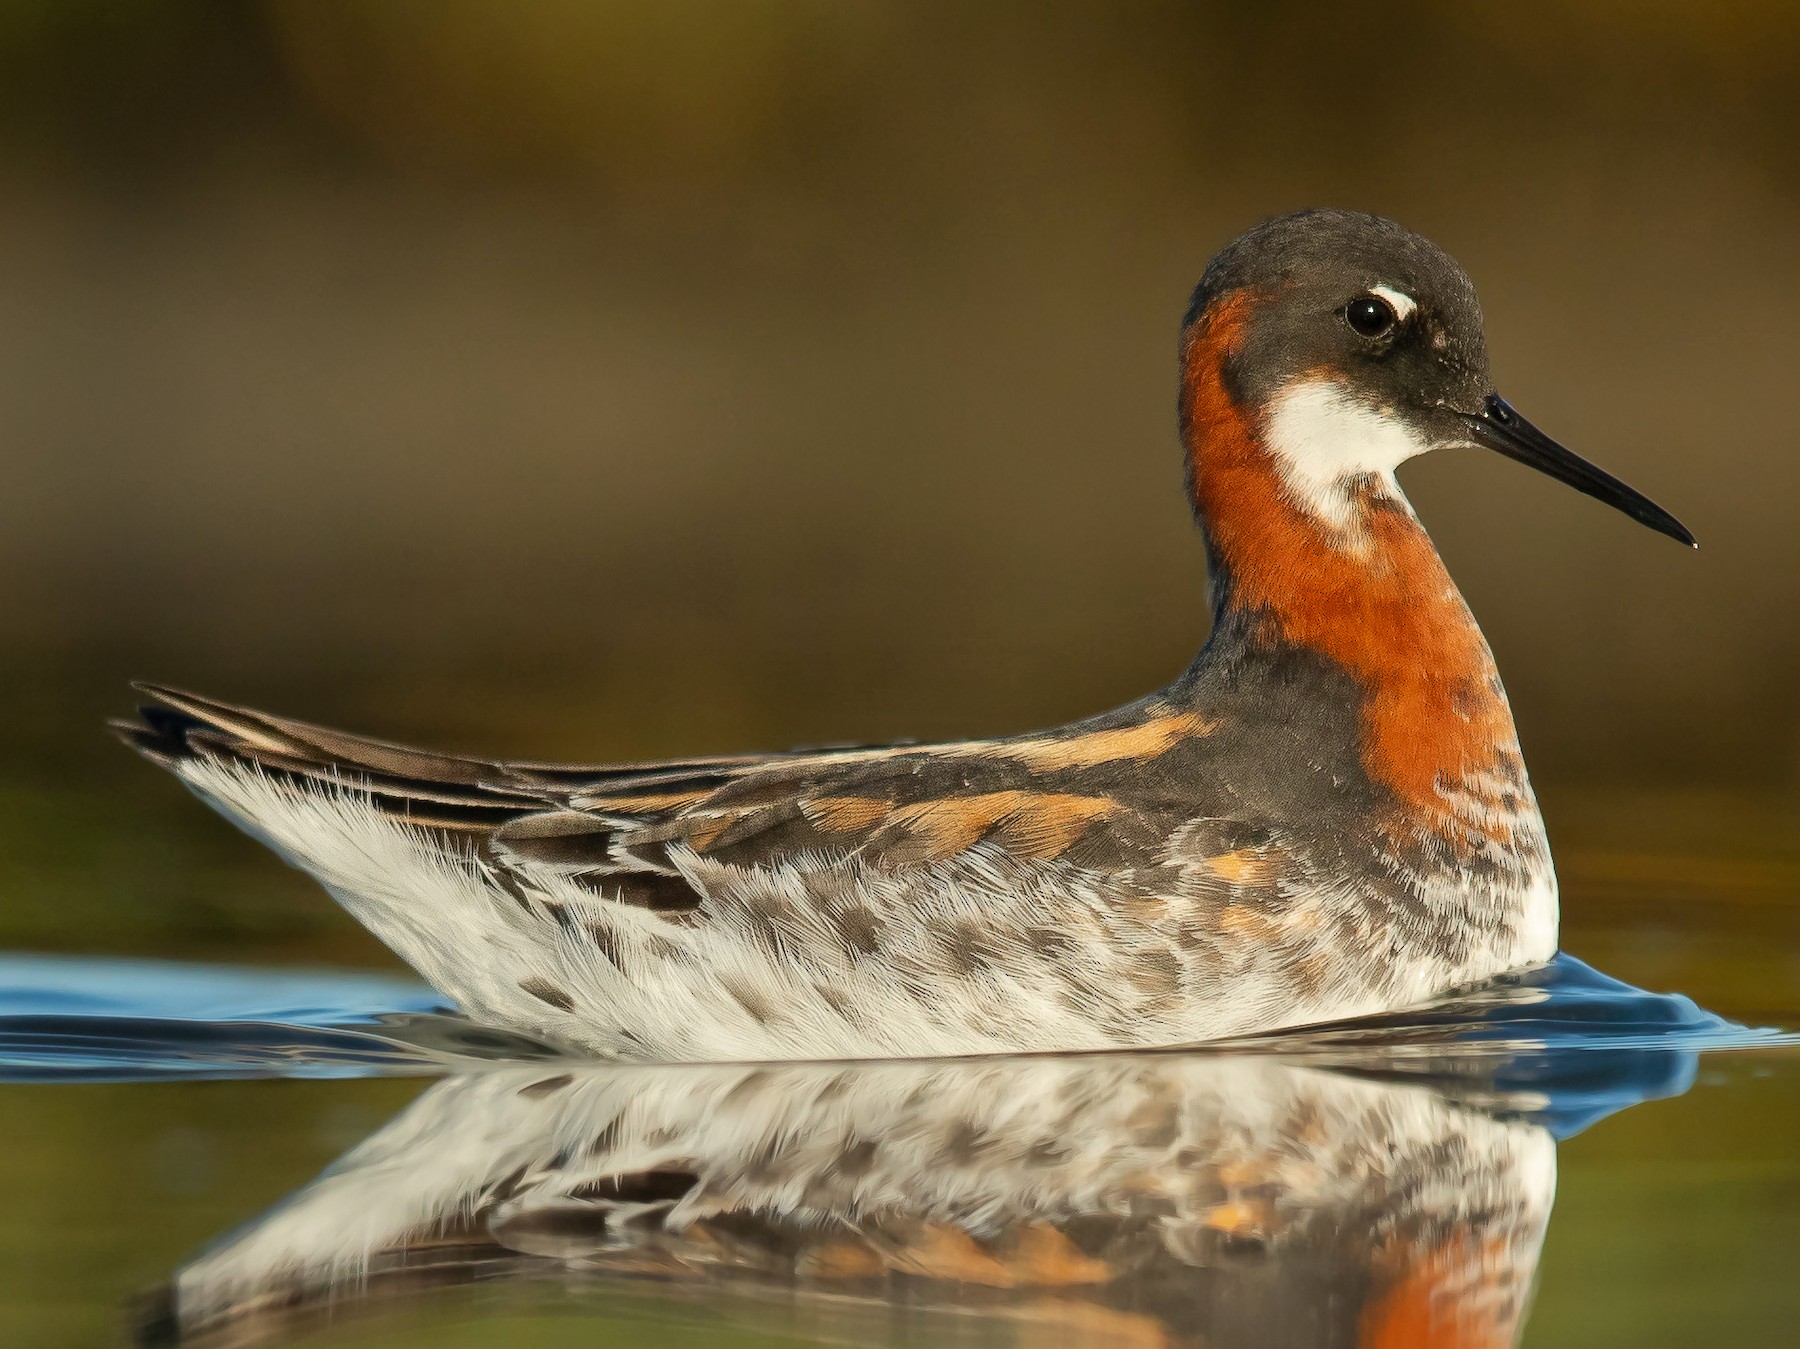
x,y
1363,588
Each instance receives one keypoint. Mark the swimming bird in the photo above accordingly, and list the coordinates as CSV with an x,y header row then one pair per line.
x,y
1327,815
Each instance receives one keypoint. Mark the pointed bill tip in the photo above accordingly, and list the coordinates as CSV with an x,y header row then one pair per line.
x,y
1498,426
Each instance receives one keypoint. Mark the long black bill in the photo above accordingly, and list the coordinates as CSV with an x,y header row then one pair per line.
x,y
1500,428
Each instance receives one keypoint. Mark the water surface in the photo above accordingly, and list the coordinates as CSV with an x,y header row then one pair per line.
x,y
232,1156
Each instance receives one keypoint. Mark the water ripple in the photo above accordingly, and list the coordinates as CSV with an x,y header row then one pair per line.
x,y
1529,1038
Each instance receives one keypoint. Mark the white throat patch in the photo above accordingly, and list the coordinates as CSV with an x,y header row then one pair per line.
x,y
1325,441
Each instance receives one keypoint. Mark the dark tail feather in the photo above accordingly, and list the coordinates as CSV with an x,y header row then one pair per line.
x,y
464,796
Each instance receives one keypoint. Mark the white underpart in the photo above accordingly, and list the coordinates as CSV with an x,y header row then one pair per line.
x,y
731,988
1326,442
1403,304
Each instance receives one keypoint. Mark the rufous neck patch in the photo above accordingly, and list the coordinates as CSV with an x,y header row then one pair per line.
x,y
1366,590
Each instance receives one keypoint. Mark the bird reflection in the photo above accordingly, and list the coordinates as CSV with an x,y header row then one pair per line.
x,y
1151,1200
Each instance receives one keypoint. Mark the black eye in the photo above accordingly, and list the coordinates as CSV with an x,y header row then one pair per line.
x,y
1370,315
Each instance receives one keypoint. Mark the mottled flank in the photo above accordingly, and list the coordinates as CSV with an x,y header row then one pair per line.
x,y
825,955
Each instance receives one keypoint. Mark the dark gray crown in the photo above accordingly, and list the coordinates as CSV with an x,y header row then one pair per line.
x,y
1304,269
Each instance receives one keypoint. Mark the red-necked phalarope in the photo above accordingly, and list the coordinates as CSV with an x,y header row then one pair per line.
x,y
1327,815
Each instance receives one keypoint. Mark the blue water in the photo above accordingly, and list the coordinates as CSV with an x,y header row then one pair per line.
x,y
71,1019
1577,1044
1583,1044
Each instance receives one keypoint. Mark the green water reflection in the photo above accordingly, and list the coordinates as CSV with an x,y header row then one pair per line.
x,y
1674,1223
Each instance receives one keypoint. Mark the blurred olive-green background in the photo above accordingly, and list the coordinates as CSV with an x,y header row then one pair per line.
x,y
607,380
604,380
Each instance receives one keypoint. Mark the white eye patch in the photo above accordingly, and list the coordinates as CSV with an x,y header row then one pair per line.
x,y
1402,304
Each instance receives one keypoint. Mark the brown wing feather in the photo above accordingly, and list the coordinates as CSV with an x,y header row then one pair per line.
x,y
463,797
892,808
620,829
